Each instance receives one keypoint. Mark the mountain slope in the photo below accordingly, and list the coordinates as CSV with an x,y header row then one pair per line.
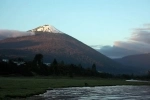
x,y
60,46
140,61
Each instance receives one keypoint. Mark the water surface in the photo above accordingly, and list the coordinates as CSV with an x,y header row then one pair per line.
x,y
99,93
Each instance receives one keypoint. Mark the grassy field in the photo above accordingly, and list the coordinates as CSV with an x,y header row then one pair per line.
x,y
19,87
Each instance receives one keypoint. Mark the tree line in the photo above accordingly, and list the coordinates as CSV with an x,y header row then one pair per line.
x,y
37,67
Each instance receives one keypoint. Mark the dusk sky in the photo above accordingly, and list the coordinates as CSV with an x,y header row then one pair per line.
x,y
94,22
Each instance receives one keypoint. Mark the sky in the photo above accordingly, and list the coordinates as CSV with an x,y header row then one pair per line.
x,y
97,23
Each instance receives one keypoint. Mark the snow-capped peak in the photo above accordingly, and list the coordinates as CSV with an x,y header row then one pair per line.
x,y
46,28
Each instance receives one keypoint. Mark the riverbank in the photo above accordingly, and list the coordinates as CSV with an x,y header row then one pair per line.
x,y
21,87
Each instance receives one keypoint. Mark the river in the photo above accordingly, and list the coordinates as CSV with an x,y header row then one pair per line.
x,y
99,93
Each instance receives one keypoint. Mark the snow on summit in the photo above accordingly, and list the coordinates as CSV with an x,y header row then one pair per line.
x,y
46,28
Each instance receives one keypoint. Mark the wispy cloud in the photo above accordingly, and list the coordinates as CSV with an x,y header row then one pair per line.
x,y
96,46
141,36
13,33
139,42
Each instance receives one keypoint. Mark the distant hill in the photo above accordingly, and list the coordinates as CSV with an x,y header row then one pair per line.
x,y
56,45
139,62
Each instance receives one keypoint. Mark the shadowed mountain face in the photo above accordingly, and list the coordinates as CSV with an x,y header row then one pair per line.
x,y
140,62
56,45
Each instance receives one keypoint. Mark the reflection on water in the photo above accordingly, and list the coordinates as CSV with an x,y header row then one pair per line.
x,y
99,93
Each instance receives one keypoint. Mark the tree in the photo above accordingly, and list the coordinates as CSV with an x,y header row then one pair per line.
x,y
54,62
38,59
54,67
94,68
20,59
148,74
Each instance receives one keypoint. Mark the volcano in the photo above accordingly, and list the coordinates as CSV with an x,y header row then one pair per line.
x,y
53,43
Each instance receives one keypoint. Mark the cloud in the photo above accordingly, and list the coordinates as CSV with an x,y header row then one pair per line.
x,y
116,52
137,43
141,36
96,46
13,33
145,27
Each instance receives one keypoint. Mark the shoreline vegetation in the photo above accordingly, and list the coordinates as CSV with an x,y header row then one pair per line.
x,y
23,87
